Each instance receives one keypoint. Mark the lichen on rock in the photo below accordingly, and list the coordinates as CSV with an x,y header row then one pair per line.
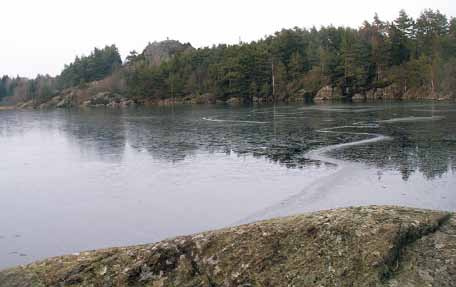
x,y
362,246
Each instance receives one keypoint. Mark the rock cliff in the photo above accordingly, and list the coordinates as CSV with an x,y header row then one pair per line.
x,y
157,52
328,93
364,246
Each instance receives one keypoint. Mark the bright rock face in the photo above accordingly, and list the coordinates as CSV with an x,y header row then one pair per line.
x,y
328,93
159,52
364,246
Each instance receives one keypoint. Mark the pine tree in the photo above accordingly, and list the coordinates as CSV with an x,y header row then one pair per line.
x,y
296,66
429,27
405,25
452,27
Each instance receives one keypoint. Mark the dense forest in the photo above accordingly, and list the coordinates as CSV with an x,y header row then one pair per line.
x,y
413,54
410,56
98,65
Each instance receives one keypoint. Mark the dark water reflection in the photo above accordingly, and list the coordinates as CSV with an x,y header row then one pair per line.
x,y
76,180
427,147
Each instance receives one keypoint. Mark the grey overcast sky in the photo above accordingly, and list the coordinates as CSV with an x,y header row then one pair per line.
x,y
39,37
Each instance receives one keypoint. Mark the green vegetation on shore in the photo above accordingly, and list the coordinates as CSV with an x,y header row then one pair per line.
x,y
405,58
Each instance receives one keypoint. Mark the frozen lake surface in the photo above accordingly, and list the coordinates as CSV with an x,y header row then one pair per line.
x,y
78,180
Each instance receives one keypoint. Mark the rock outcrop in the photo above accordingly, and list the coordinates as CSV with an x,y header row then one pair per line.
x,y
423,94
108,99
358,98
72,98
234,101
328,93
387,93
157,52
364,246
391,92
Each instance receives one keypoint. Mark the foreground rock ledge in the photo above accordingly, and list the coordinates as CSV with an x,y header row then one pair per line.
x,y
365,246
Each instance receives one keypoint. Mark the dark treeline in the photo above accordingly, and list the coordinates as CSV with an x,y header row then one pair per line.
x,y
98,65
411,54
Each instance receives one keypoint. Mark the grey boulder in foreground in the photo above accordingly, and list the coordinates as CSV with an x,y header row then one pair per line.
x,y
364,246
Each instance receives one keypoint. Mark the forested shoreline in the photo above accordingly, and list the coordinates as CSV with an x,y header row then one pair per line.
x,y
404,58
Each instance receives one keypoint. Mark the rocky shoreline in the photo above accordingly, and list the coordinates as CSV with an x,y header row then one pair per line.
x,y
80,98
362,246
389,92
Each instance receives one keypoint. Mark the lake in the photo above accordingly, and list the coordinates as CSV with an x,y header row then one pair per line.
x,y
74,180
